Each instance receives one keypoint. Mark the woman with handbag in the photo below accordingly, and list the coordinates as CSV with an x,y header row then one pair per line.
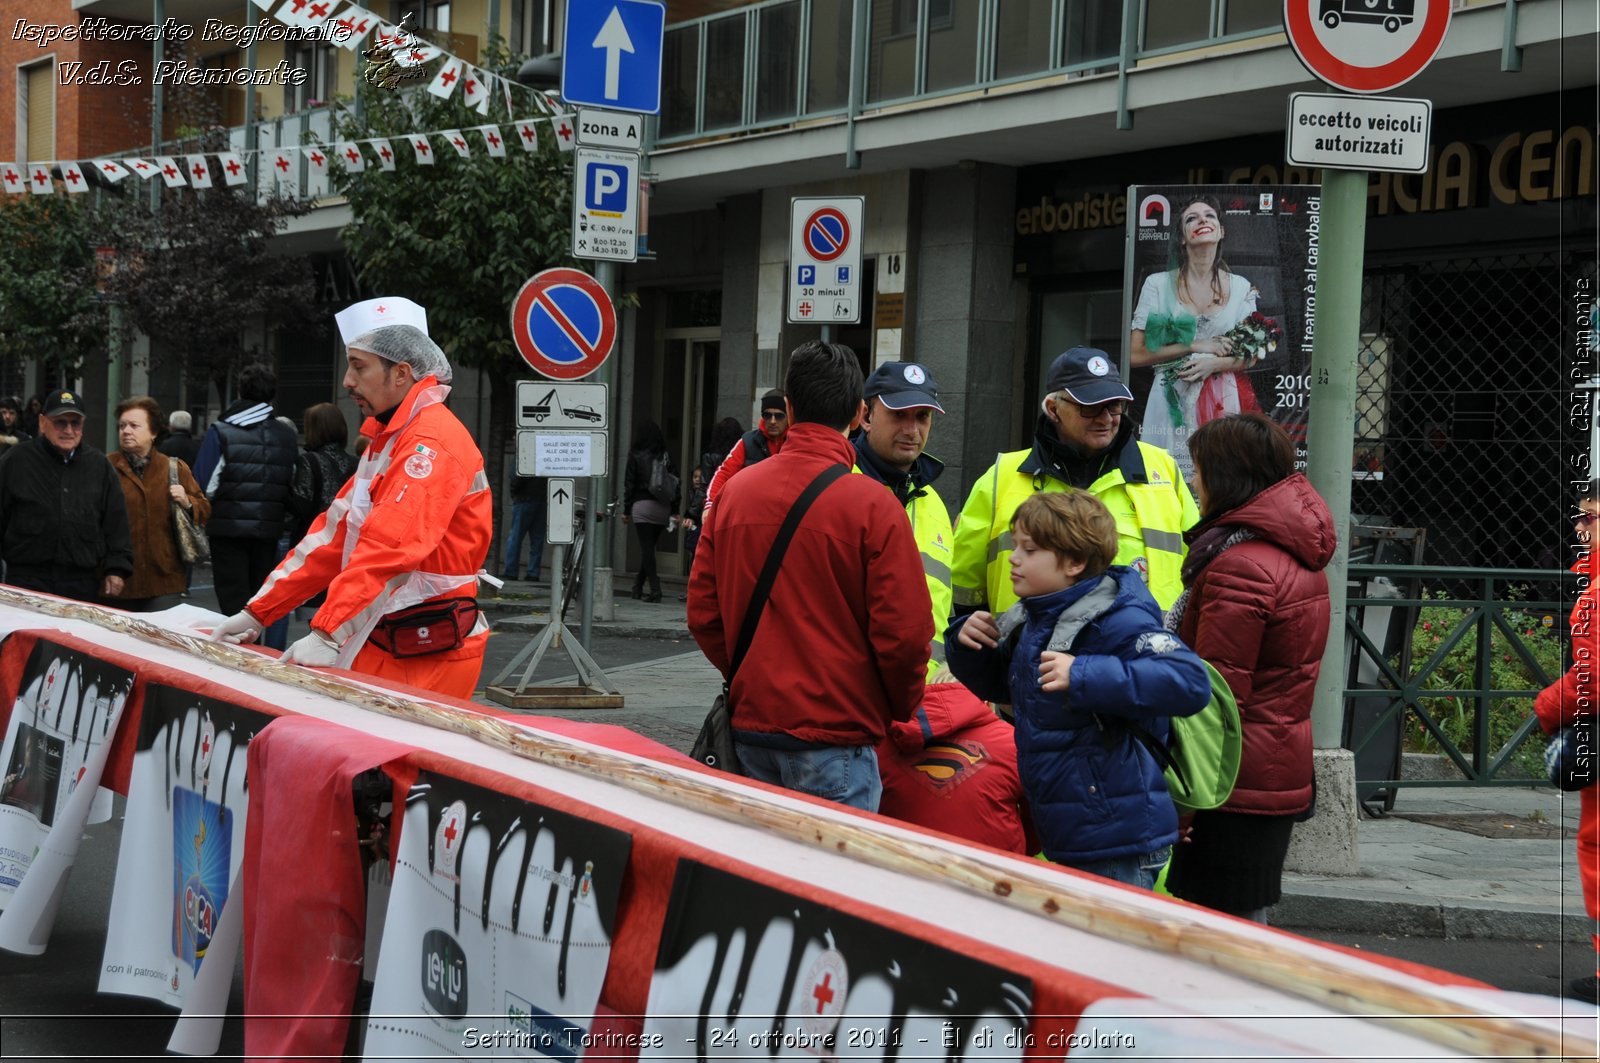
x,y
154,487
647,513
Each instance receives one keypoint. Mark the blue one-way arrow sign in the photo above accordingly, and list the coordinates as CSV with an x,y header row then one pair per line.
x,y
612,54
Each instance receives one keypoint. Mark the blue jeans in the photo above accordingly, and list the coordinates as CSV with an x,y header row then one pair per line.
x,y
846,774
1138,871
527,521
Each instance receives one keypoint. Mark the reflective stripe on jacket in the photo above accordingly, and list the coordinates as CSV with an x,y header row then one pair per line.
x,y
418,506
1151,519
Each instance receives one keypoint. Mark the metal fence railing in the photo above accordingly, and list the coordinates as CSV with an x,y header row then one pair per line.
x,y
1454,671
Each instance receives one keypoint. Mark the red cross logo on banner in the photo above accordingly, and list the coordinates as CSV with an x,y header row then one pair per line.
x,y
470,86
319,10
317,157
295,6
448,77
458,142
564,129
281,163
450,832
73,176
422,146
417,55
352,154
109,167
493,140
528,134
822,992
205,746
199,172
169,171
12,176
141,166
386,153
234,167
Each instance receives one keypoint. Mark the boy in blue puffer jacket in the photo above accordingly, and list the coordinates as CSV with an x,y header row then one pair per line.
x,y
1083,651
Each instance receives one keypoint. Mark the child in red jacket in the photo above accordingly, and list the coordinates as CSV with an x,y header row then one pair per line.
x,y
1573,700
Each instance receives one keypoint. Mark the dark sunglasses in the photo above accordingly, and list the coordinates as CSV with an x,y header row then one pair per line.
x,y
773,415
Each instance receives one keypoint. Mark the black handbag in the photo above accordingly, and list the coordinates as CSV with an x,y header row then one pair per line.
x,y
714,745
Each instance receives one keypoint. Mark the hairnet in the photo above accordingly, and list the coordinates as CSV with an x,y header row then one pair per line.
x,y
408,344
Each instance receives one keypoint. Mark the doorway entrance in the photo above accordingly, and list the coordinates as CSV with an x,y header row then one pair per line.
x,y
684,405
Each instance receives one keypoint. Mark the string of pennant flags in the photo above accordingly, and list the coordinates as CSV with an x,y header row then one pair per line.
x,y
195,171
348,25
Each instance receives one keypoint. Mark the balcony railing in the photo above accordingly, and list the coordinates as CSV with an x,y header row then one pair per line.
x,y
781,62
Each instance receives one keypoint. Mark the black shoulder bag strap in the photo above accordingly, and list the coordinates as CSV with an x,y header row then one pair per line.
x,y
769,572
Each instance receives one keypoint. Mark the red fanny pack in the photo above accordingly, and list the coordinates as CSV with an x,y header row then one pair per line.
x,y
432,627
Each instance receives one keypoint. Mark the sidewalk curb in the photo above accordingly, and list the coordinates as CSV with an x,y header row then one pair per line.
x,y
1313,911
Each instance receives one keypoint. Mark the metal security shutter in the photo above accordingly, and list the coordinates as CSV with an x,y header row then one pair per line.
x,y
40,101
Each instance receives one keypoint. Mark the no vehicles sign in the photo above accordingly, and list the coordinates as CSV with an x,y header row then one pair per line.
x,y
1366,46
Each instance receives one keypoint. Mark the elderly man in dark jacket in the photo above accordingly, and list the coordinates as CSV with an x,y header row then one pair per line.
x,y
246,466
63,522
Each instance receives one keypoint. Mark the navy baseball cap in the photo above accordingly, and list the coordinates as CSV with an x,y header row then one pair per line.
x,y
1088,375
903,386
59,402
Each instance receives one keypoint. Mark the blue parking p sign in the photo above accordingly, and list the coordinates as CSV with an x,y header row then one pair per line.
x,y
607,190
612,54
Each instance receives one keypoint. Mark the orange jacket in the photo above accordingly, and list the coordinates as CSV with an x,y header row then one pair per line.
x,y
430,512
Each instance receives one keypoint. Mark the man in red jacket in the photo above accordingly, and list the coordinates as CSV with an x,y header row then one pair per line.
x,y
841,649
758,444
1571,700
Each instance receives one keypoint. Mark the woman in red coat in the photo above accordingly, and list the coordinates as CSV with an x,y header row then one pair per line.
x,y
1559,704
1255,605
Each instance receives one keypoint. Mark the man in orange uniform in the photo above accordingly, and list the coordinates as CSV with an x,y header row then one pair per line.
x,y
1571,701
400,549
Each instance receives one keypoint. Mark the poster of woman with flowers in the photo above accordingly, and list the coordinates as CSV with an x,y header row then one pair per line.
x,y
1218,323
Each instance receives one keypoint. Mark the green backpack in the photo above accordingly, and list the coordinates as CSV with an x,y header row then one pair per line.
x,y
1201,756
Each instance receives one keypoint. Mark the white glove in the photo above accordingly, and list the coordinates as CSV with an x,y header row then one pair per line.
x,y
240,627
316,650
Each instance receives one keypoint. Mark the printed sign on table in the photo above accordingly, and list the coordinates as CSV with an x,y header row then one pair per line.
x,y
66,711
182,843
748,971
1221,305
499,927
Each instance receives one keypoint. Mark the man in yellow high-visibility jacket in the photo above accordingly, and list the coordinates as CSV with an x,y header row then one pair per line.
x,y
902,398
1084,441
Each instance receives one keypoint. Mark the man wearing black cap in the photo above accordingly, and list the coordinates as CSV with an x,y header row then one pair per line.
x,y
1085,441
63,521
902,398
758,444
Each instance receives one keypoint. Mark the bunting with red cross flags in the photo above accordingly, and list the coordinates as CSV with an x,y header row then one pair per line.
x,y
39,179
171,172
445,81
385,154
283,165
475,89
416,52
233,169
424,150
143,167
318,158
354,23
493,140
110,170
528,133
305,14
350,157
198,169
73,178
566,138
457,141
11,178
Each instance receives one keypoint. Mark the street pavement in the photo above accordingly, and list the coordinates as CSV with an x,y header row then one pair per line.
x,y
1452,861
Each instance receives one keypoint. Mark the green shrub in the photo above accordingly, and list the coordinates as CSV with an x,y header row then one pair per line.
x,y
1540,635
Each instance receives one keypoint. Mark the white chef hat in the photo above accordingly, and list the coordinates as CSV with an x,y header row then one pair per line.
x,y
362,318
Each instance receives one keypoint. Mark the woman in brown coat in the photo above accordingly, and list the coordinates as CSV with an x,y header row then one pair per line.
x,y
158,575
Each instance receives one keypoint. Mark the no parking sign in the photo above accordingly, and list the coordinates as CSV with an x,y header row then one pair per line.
x,y
563,324
824,281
